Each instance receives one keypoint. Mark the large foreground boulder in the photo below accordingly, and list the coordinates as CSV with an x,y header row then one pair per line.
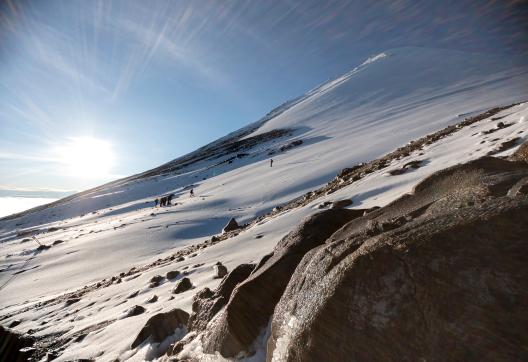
x,y
439,275
252,302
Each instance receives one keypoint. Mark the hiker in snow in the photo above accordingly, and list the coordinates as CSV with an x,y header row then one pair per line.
x,y
156,202
169,199
192,193
163,201
271,162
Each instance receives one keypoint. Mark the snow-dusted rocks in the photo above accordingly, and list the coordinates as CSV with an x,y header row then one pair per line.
x,y
182,285
220,270
237,326
231,226
134,311
173,274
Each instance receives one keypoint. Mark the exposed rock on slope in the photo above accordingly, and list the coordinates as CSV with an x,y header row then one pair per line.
x,y
445,279
161,326
252,302
439,274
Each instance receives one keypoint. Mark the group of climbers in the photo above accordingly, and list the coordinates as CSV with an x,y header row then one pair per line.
x,y
167,200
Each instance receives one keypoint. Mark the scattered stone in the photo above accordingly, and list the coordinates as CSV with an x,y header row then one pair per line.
x,y
57,242
152,299
133,294
182,285
220,270
134,311
156,279
231,225
173,274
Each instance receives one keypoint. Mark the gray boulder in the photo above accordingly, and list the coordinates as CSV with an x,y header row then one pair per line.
x,y
220,271
182,285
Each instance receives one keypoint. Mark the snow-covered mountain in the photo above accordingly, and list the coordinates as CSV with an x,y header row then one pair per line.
x,y
389,100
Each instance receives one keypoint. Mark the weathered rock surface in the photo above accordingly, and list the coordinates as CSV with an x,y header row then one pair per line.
x,y
182,285
437,275
252,301
173,274
220,270
134,311
207,303
161,326
230,226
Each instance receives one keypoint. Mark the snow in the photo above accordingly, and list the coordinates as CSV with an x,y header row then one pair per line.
x,y
382,104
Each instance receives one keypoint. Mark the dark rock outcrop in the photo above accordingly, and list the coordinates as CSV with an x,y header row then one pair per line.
x,y
173,274
182,285
134,311
445,277
220,270
253,301
230,226
161,326
11,345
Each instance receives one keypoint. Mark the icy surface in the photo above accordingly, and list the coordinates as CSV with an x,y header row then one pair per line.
x,y
382,104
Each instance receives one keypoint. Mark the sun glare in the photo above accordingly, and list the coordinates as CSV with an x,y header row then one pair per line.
x,y
87,157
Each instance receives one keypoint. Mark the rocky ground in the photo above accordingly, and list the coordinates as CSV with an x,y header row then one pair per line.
x,y
438,274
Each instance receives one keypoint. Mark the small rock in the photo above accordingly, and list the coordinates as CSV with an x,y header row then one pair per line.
x,y
152,299
182,286
231,225
14,323
156,279
133,295
220,271
172,274
134,311
161,326
341,204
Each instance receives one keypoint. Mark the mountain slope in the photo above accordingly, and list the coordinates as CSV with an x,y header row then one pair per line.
x,y
384,103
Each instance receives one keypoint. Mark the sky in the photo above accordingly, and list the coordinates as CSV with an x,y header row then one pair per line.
x,y
92,91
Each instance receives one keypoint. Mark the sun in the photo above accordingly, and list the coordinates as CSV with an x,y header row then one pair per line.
x,y
87,157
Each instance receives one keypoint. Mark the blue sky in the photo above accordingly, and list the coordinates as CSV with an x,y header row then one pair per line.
x,y
147,81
